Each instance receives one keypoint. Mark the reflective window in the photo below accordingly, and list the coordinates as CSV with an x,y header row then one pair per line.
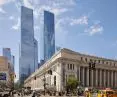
x,y
49,35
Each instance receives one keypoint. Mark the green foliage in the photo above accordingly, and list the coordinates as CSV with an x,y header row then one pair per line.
x,y
3,85
17,86
72,83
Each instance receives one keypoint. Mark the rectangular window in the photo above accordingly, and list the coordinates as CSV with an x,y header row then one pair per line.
x,y
99,61
86,59
68,66
71,66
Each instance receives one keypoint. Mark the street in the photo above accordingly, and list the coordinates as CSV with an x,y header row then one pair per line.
x,y
49,96
53,96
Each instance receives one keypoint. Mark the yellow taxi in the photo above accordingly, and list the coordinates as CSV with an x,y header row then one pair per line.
x,y
106,93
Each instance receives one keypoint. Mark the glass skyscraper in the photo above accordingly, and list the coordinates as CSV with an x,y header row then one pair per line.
x,y
11,58
13,62
49,35
28,61
7,53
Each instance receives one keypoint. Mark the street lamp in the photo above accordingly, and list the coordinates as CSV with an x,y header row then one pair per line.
x,y
91,67
49,72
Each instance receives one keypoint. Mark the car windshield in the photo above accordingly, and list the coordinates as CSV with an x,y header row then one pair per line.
x,y
109,92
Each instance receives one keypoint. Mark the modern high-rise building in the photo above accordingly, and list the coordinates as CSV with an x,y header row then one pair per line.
x,y
7,53
49,35
11,60
28,61
36,54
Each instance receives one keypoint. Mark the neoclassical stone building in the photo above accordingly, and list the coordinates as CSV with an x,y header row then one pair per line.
x,y
66,63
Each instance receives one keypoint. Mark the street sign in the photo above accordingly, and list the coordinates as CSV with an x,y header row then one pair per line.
x,y
2,76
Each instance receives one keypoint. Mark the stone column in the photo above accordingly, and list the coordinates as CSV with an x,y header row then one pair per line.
x,y
61,76
96,77
83,81
115,78
111,78
104,78
92,77
79,74
108,78
87,76
101,78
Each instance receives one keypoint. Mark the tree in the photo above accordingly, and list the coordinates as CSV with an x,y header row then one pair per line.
x,y
72,83
3,85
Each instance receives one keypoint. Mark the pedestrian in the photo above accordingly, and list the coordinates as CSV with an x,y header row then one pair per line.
x,y
34,94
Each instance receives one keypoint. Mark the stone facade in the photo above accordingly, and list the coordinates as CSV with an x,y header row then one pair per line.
x,y
66,63
5,67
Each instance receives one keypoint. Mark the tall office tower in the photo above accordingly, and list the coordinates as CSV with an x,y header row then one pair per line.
x,y
28,61
13,62
36,54
7,53
49,35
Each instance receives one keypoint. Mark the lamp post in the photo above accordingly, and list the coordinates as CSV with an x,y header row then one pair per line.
x,y
91,67
44,85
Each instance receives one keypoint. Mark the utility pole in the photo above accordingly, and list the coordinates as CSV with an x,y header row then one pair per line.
x,y
91,67
44,84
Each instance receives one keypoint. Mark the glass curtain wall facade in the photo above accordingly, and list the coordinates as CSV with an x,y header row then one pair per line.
x,y
49,35
28,49
13,62
7,53
36,54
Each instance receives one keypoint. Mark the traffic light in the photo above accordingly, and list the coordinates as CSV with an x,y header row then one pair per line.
x,y
93,66
90,66
35,78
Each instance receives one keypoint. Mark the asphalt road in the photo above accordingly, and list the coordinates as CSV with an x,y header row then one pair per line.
x,y
94,95
48,96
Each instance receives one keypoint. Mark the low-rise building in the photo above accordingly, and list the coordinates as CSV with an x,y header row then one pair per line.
x,y
5,71
67,63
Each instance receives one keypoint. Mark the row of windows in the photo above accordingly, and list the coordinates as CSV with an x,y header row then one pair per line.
x,y
70,66
98,61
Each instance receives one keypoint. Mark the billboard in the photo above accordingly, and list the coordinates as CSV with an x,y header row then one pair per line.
x,y
2,76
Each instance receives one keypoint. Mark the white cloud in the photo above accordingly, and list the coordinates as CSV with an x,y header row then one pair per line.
x,y
56,6
61,32
2,11
95,29
11,17
82,20
28,4
17,25
58,11
2,2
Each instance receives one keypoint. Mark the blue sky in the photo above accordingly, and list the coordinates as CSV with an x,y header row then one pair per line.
x,y
86,26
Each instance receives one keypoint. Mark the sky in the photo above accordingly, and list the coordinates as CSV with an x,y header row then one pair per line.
x,y
85,26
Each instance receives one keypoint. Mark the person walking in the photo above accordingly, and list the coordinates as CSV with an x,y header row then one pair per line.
x,y
34,94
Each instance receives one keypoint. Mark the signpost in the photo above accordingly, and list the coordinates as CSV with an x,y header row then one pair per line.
x,y
2,76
